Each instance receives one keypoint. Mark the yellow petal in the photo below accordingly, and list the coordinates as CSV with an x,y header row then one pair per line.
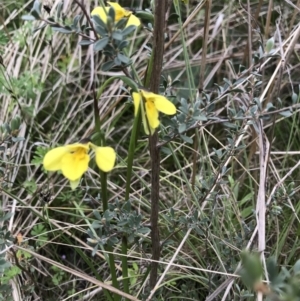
x,y
133,20
52,160
120,12
152,114
144,119
136,101
105,158
75,164
161,103
76,146
164,105
101,13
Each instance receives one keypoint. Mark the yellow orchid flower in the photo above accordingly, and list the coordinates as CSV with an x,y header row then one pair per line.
x,y
73,160
152,104
120,13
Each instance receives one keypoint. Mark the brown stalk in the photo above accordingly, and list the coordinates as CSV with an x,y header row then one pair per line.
x,y
157,61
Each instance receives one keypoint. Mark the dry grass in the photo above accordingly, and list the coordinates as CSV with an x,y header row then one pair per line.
x,y
252,206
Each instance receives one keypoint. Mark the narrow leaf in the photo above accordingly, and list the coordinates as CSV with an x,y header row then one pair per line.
x,y
100,44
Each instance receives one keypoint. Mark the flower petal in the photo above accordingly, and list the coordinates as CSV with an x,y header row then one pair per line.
x,y
120,12
75,146
136,101
133,20
75,164
52,160
105,158
152,114
100,12
162,104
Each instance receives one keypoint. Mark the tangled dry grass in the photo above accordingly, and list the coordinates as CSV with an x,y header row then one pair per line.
x,y
48,78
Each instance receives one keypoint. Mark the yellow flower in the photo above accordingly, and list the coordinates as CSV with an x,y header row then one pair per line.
x,y
152,104
73,160
120,13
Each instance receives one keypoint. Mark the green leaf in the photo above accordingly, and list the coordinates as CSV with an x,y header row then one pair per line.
x,y
123,44
85,42
294,97
200,117
272,269
59,9
97,20
17,139
100,44
269,45
129,82
230,125
270,107
76,20
117,62
39,28
100,30
15,123
121,23
117,35
62,29
107,65
166,151
28,18
128,30
175,82
6,217
143,230
186,139
146,15
182,128
112,14
37,6
296,267
124,59
252,269
35,14
287,113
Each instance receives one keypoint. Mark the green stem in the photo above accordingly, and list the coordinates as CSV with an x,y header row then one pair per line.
x,y
132,144
131,150
103,176
113,271
125,265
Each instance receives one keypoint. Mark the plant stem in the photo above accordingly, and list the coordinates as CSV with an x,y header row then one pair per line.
x,y
153,82
103,177
131,150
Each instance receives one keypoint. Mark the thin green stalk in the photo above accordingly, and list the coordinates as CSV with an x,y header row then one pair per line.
x,y
131,150
103,177
111,259
125,265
